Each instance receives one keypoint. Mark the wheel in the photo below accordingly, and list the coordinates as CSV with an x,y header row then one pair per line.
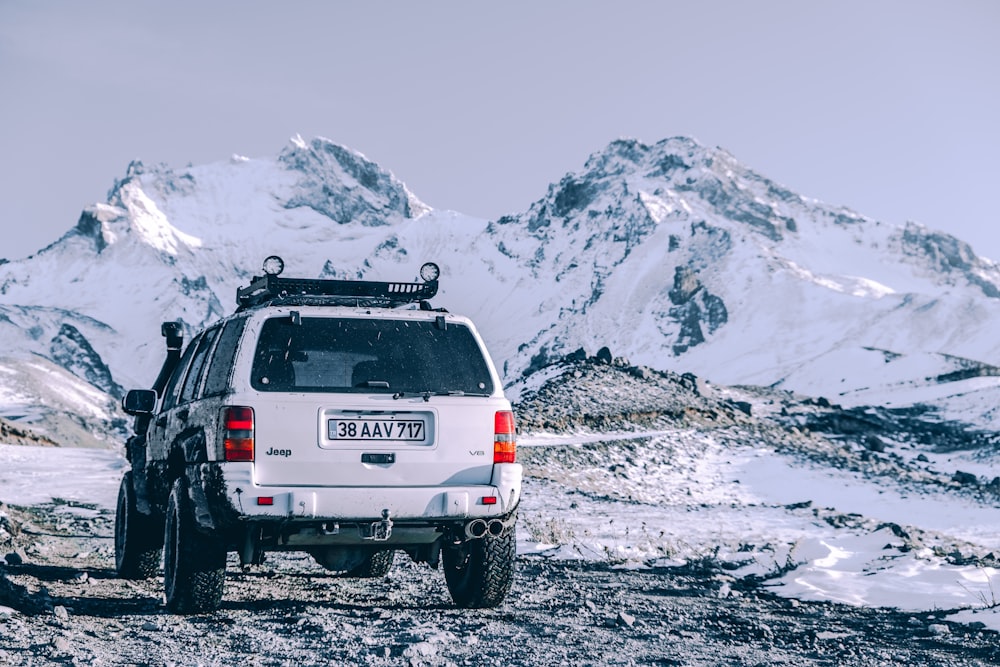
x,y
194,563
137,537
374,566
480,572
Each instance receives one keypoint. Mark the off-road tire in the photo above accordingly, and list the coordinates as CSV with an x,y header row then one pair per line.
x,y
479,574
375,566
138,538
194,563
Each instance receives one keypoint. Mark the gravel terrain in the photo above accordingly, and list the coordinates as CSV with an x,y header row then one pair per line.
x,y
292,612
60,602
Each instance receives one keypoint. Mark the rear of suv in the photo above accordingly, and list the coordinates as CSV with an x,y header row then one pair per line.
x,y
347,419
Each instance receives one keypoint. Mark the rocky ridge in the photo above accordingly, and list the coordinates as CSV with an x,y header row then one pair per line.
x,y
603,394
13,434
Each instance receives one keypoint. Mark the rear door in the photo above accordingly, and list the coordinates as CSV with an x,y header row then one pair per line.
x,y
162,429
353,401
179,424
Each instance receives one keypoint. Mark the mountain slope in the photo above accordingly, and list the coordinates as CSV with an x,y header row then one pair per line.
x,y
672,254
681,258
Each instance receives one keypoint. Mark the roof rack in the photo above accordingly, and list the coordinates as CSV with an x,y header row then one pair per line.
x,y
269,289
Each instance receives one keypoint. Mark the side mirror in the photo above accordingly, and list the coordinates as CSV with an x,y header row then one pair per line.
x,y
139,402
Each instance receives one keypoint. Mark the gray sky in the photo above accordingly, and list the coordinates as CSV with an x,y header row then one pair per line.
x,y
891,108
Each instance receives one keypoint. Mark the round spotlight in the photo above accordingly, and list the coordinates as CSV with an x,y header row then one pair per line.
x,y
273,265
430,272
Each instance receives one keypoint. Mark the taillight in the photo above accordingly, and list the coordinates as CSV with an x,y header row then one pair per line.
x,y
237,433
504,438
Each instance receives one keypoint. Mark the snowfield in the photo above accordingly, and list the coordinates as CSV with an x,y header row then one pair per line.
x,y
767,514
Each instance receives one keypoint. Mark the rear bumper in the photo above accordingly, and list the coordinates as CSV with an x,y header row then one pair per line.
x,y
416,504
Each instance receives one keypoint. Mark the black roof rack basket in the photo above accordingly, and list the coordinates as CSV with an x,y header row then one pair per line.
x,y
272,290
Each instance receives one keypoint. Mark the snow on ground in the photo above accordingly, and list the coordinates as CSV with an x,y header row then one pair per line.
x,y
770,516
37,475
815,534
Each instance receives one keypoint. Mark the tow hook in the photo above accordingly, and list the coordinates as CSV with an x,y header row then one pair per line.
x,y
381,530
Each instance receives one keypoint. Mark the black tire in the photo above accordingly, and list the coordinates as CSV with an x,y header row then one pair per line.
x,y
138,538
194,563
479,574
375,566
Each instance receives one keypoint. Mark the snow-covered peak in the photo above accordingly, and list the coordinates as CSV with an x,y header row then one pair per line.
x,y
346,186
148,222
629,189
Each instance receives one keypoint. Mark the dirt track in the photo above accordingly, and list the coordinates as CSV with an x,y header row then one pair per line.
x,y
292,612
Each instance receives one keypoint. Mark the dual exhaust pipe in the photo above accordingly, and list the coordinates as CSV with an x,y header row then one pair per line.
x,y
479,528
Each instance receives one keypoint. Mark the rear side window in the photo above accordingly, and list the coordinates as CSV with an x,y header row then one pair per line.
x,y
198,365
174,383
221,366
358,355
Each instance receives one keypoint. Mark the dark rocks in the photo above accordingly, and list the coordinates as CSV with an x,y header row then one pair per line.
x,y
799,506
640,372
896,529
573,195
90,227
686,285
71,350
874,443
694,309
695,384
965,478
17,435
743,406
604,355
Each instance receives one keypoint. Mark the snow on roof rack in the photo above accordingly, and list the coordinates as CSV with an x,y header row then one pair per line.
x,y
269,289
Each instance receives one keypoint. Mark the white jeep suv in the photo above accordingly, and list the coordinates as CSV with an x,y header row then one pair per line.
x,y
347,419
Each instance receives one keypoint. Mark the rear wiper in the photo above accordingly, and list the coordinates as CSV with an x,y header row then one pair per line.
x,y
426,395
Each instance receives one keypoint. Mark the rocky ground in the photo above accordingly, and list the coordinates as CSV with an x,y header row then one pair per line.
x,y
60,602
611,395
12,434
292,612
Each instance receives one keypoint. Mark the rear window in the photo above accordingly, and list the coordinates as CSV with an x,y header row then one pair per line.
x,y
358,355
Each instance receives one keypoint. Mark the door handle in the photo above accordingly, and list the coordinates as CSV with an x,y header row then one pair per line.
x,y
183,414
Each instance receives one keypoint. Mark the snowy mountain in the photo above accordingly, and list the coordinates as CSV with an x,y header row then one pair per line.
x,y
681,258
671,254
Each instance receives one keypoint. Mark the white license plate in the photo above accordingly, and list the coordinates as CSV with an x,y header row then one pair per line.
x,y
407,430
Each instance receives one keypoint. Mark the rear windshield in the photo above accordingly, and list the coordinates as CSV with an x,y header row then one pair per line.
x,y
358,355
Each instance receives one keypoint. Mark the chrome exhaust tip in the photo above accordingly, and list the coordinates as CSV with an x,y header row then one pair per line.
x,y
476,529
